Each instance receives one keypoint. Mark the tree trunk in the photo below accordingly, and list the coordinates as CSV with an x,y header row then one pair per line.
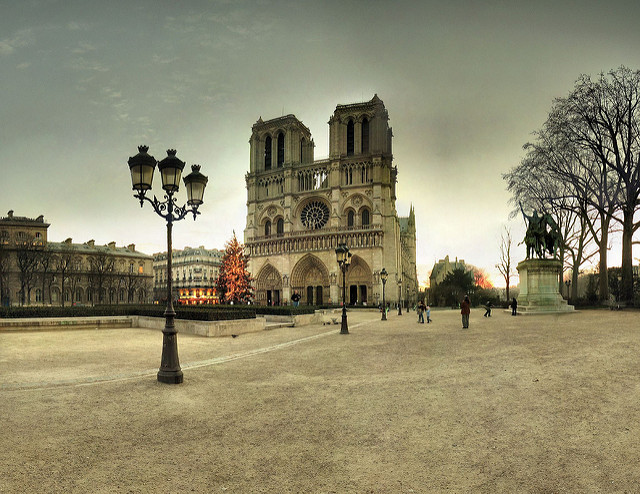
x,y
627,256
603,279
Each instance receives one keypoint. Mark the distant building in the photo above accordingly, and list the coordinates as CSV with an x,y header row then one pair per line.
x,y
36,271
300,209
194,275
442,268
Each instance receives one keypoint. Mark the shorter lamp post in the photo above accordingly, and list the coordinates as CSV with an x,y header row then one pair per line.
x,y
400,300
344,259
568,283
142,166
383,276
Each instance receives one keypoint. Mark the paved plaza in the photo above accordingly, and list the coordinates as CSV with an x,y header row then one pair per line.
x,y
540,404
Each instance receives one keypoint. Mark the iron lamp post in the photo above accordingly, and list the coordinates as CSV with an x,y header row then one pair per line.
x,y
344,259
568,284
383,276
400,299
142,167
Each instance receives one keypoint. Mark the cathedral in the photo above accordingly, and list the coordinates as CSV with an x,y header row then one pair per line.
x,y
300,209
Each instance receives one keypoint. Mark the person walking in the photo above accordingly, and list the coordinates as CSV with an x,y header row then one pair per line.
x,y
295,298
465,310
488,309
428,314
420,310
514,307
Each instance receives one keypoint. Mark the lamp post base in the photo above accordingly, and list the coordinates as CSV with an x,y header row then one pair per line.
x,y
344,329
170,377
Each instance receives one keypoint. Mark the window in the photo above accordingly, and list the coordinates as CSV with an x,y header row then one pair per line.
x,y
280,149
38,295
280,227
267,153
131,267
365,135
301,149
365,217
350,139
350,218
267,229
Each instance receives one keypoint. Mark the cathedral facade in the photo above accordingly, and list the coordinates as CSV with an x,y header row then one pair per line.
x,y
300,209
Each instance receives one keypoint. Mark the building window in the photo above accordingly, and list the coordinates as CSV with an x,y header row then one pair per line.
x,y
38,295
267,229
350,138
301,149
140,269
365,217
350,218
131,267
267,153
280,227
280,149
365,135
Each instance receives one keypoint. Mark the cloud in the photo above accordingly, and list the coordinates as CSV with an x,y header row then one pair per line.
x,y
83,48
22,38
82,63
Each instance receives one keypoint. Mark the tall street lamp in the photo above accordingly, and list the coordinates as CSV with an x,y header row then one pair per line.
x,y
344,259
400,299
383,276
568,283
142,166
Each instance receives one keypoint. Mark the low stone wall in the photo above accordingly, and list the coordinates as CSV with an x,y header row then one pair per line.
x,y
64,323
204,328
299,320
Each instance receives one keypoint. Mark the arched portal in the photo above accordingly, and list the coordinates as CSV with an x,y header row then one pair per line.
x,y
359,282
269,286
310,278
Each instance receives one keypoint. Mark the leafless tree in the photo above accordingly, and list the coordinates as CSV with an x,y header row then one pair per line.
x,y
46,272
4,272
101,268
505,265
64,265
28,257
601,119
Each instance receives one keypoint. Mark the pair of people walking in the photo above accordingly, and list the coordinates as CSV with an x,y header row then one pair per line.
x,y
422,308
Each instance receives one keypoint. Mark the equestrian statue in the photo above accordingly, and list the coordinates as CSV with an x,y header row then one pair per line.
x,y
542,236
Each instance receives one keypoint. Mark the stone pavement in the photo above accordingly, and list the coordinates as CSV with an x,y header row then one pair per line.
x,y
514,404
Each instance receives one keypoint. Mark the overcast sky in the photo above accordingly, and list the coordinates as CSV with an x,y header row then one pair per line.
x,y
465,83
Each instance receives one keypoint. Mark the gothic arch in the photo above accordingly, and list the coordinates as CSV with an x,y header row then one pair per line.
x,y
269,279
310,278
359,281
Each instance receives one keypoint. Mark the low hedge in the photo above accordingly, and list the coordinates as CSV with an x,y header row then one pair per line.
x,y
194,313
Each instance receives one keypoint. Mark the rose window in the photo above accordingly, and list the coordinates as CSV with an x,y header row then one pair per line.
x,y
315,215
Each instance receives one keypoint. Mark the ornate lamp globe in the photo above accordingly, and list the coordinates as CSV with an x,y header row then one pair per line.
x,y
384,275
195,183
171,170
342,254
142,166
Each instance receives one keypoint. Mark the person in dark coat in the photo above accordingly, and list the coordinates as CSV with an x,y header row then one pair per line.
x,y
514,307
488,309
465,310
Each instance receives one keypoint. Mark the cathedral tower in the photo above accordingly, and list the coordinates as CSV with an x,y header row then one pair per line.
x,y
300,209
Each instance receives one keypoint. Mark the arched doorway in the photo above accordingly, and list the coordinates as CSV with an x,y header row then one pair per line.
x,y
310,278
269,286
359,282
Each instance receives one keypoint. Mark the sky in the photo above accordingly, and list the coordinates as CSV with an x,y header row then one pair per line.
x,y
466,83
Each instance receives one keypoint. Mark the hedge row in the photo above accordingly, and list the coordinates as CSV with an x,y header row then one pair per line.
x,y
211,313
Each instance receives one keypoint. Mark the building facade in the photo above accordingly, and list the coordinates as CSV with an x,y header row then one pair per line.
x,y
34,270
443,267
300,209
194,271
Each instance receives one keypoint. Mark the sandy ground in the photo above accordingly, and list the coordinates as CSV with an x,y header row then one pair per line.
x,y
540,404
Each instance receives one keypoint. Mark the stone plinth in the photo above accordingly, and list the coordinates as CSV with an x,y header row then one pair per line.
x,y
539,287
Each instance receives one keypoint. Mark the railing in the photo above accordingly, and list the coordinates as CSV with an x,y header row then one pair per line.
x,y
316,240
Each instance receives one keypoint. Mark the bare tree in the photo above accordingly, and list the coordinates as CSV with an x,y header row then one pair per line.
x,y
101,268
505,266
602,119
28,257
4,273
64,266
45,272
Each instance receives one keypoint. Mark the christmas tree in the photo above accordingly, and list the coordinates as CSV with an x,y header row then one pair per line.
x,y
234,281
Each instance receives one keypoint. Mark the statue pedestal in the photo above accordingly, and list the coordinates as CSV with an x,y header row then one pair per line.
x,y
539,287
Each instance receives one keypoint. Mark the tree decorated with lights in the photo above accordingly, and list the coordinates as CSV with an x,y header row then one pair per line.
x,y
234,281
